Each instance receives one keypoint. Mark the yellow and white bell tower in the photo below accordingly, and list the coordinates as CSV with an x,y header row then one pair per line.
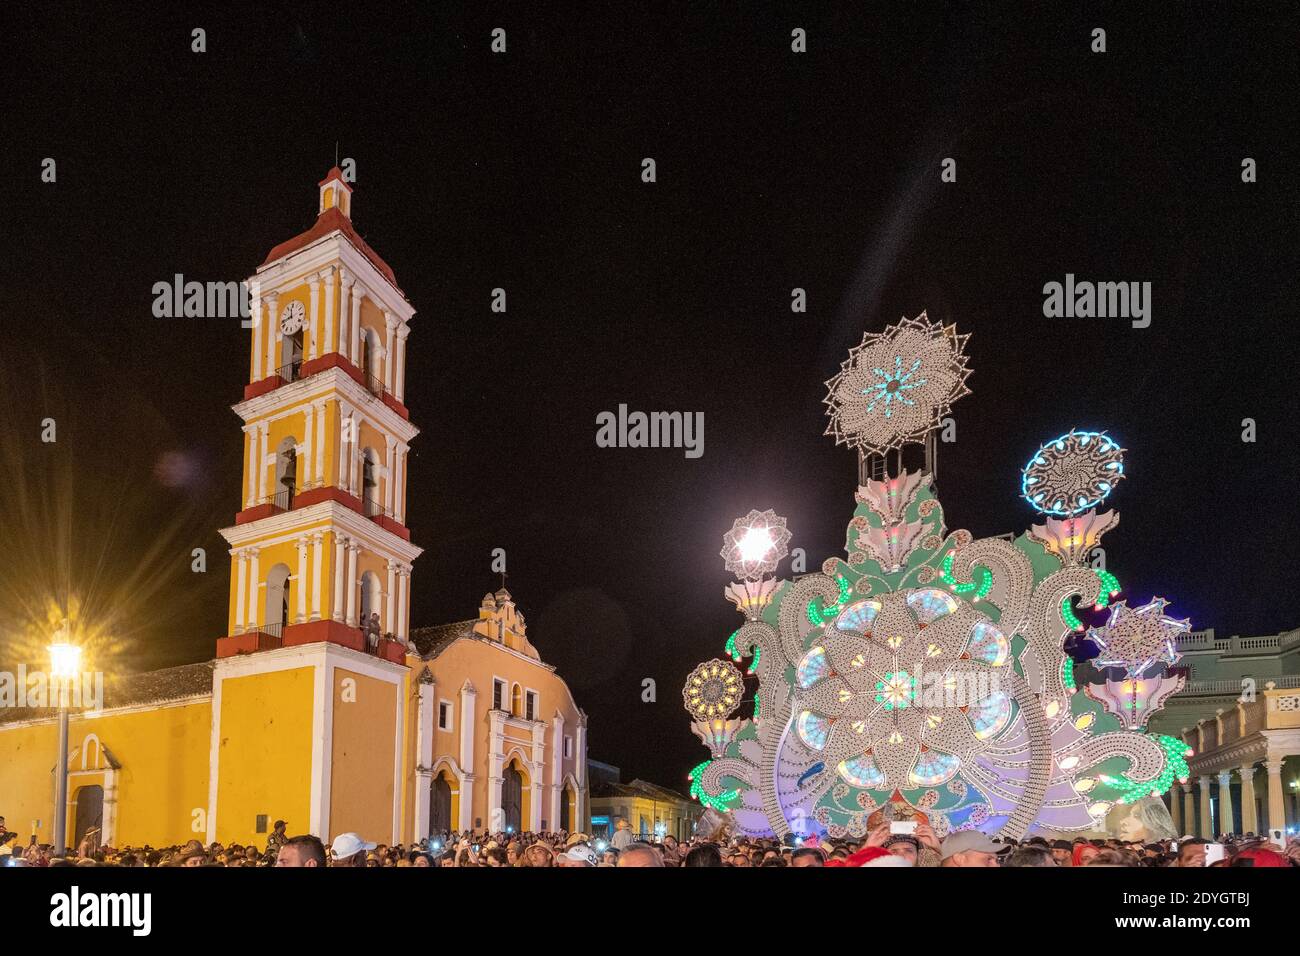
x,y
320,550
311,687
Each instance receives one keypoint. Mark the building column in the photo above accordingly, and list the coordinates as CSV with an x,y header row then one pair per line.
x,y
1249,818
353,548
272,332
1227,821
403,602
241,588
1276,795
581,813
328,340
534,822
390,357
467,725
347,440
1207,819
390,465
358,293
317,581
308,444
264,428
337,603
302,580
319,469
496,769
314,318
346,279
1175,809
557,768
256,314
399,377
254,590
390,607
424,754
1189,811
250,465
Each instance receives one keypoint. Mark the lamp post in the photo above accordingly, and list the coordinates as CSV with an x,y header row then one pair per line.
x,y
65,662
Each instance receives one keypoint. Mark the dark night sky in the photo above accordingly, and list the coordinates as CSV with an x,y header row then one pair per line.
x,y
776,170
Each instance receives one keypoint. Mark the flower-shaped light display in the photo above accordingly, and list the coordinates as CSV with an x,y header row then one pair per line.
x,y
712,690
902,689
1072,473
897,385
1136,638
755,544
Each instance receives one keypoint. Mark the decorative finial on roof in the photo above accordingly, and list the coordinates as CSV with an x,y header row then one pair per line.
x,y
335,193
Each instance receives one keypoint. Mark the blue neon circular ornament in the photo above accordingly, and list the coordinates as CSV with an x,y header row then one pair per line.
x,y
1072,473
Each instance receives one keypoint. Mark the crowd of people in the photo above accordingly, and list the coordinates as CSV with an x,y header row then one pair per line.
x,y
883,846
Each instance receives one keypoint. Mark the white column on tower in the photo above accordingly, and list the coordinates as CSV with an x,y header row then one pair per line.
x,y
403,601
390,462
353,548
391,606
344,478
254,589
320,441
399,383
317,581
308,440
241,589
328,341
340,543
314,282
390,321
272,331
358,293
399,508
264,428
256,315
250,465
346,279
302,580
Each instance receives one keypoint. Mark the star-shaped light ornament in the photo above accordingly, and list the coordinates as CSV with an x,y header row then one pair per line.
x,y
897,385
1135,639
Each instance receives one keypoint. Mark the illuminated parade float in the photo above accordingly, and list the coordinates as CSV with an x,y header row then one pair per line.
x,y
927,672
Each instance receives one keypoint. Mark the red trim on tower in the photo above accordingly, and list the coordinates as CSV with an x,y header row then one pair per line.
x,y
269,384
335,174
332,220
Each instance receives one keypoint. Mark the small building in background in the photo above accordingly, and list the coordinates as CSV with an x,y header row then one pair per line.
x,y
652,811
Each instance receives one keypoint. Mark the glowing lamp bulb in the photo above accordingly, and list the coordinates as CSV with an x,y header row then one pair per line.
x,y
65,660
755,544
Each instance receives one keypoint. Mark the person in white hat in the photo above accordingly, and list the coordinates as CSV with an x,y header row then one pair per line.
x,y
971,848
348,849
580,854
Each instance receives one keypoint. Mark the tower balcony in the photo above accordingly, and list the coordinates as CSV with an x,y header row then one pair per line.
x,y
291,499
269,637
293,372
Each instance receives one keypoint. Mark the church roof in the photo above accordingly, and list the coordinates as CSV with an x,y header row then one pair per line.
x,y
132,690
332,220
432,641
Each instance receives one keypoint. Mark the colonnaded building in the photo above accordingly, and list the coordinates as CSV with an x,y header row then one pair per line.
x,y
322,706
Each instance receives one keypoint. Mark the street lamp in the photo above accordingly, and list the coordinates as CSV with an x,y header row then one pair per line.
x,y
65,664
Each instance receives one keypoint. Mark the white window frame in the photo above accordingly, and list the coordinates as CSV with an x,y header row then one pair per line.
x,y
505,693
568,748
451,715
537,703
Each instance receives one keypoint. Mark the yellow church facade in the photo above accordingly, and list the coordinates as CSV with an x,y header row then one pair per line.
x,y
322,707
